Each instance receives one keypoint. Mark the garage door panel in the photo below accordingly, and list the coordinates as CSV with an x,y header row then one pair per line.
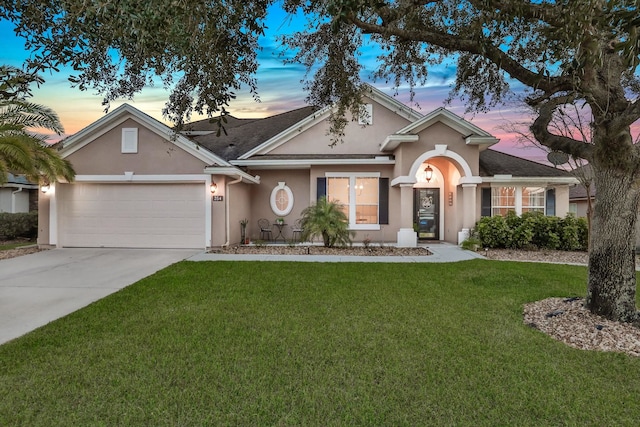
x,y
133,215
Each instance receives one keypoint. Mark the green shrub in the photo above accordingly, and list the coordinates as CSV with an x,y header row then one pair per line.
x,y
574,233
14,225
494,232
533,230
546,230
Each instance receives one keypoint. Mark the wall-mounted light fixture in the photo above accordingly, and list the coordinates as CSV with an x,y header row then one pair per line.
x,y
45,187
428,173
213,187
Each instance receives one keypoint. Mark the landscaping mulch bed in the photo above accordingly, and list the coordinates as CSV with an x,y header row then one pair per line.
x,y
321,250
567,320
30,248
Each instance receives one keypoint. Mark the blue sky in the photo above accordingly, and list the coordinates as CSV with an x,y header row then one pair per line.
x,y
279,87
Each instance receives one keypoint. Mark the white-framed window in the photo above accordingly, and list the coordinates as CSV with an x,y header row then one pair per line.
x,y
129,140
517,199
533,199
503,200
358,195
281,199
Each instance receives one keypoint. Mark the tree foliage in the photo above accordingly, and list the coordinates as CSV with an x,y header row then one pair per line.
x,y
21,150
204,51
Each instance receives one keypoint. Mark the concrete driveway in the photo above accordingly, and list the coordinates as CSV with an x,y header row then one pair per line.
x,y
39,288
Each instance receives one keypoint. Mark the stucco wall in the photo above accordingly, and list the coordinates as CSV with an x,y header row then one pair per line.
x,y
298,180
358,139
562,201
155,155
437,134
43,218
239,208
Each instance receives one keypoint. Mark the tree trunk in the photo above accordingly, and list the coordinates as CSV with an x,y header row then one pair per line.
x,y
611,290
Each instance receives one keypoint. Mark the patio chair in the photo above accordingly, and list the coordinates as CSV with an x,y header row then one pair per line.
x,y
265,229
296,229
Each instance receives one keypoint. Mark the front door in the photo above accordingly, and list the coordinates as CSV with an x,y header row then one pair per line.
x,y
427,213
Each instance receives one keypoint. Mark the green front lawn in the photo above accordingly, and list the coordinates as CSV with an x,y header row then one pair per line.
x,y
249,343
13,244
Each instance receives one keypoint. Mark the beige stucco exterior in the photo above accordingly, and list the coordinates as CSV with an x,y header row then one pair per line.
x,y
155,155
396,148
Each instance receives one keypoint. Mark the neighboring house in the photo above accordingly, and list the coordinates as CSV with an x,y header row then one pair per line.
x,y
18,195
140,185
578,198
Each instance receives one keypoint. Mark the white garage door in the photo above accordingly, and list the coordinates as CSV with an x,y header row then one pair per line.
x,y
132,215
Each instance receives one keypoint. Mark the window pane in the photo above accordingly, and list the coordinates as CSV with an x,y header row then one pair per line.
x,y
533,199
338,192
503,199
366,195
282,199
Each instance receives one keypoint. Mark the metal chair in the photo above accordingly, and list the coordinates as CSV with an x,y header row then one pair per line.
x,y
265,229
297,229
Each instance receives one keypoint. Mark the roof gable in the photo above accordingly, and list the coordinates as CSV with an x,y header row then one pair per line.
x,y
319,116
122,114
473,135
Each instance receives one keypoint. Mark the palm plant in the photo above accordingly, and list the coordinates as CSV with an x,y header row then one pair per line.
x,y
21,150
326,219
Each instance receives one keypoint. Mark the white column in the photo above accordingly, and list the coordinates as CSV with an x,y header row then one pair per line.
x,y
407,237
53,215
468,210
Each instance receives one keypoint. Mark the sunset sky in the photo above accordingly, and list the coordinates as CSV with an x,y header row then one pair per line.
x,y
279,88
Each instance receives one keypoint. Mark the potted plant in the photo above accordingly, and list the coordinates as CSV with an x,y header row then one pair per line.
x,y
243,231
280,221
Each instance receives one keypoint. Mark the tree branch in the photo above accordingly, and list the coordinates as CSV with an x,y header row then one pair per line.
x,y
529,11
540,130
456,43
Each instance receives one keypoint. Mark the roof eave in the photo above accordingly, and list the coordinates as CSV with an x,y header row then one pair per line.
x,y
307,163
233,172
393,141
481,140
508,179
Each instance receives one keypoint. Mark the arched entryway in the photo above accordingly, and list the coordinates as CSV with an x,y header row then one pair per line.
x,y
442,207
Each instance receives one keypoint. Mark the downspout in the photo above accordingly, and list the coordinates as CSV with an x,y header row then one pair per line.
x,y
226,210
13,199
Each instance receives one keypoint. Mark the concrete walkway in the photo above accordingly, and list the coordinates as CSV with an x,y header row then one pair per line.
x,y
442,252
39,288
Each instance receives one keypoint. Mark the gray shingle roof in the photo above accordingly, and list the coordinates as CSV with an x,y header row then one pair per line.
x,y
244,135
496,163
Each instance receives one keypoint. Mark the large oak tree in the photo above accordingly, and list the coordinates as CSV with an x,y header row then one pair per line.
x,y
562,51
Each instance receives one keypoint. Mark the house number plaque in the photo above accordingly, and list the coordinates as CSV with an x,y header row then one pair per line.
x,y
217,198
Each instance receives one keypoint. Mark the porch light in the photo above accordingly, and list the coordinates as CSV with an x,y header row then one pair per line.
x,y
213,187
45,188
428,173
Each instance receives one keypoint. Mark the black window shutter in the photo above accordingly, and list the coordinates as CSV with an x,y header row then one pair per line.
x,y
551,202
383,200
485,209
322,188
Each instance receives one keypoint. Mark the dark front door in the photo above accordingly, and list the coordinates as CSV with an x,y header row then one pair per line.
x,y
427,213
